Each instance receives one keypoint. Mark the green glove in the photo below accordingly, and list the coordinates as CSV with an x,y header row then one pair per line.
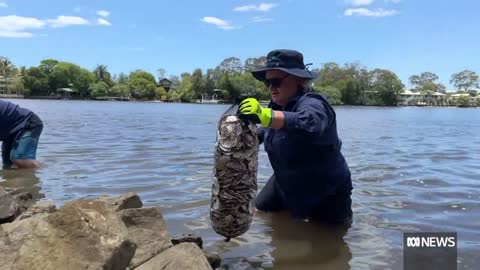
x,y
251,106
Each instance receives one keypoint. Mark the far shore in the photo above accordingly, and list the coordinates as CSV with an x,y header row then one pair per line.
x,y
219,102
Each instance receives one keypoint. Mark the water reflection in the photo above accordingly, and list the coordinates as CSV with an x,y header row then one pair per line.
x,y
306,245
24,180
413,169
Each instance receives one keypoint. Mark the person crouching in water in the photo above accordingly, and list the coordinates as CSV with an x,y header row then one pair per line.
x,y
311,177
20,131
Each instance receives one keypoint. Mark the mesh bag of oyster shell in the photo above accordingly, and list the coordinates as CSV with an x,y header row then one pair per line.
x,y
235,174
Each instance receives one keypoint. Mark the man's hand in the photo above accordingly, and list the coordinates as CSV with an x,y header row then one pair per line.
x,y
250,106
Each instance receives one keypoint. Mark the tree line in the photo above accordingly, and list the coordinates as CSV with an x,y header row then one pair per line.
x,y
350,84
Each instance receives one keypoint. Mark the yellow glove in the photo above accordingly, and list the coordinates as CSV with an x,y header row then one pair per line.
x,y
250,106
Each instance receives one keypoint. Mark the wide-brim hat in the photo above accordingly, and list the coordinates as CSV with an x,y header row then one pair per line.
x,y
288,61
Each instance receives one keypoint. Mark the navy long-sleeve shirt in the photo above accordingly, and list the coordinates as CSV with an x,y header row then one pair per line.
x,y
305,153
13,119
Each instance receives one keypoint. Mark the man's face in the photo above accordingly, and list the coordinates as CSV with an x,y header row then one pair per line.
x,y
282,86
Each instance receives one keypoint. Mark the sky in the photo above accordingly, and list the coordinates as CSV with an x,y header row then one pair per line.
x,y
405,36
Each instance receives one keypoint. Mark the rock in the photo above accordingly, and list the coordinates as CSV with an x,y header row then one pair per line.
x,y
148,231
24,200
188,238
125,201
39,207
13,203
185,256
213,259
6,251
84,234
9,189
9,208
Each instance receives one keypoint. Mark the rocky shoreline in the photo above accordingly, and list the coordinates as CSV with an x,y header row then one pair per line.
x,y
102,233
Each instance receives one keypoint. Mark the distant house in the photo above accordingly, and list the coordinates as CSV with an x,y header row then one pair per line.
x,y
7,87
410,98
453,98
165,83
211,99
457,95
3,85
65,92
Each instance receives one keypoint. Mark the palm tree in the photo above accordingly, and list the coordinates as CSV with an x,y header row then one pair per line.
x,y
102,74
22,71
6,69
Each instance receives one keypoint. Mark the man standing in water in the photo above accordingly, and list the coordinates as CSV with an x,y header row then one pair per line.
x,y
311,177
20,131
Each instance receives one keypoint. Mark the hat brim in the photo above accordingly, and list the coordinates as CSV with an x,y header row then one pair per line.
x,y
260,74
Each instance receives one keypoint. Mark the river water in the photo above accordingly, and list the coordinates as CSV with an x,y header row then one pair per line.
x,y
414,170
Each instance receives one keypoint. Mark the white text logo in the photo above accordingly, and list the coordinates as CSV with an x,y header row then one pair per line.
x,y
433,242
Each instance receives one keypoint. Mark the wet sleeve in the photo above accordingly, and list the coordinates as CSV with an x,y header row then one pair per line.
x,y
261,135
311,116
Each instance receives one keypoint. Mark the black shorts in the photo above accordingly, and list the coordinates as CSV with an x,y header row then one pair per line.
x,y
334,209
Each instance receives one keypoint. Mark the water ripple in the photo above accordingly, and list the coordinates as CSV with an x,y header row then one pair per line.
x,y
413,169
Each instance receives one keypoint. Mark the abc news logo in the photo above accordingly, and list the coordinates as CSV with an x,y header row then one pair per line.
x,y
432,250
431,242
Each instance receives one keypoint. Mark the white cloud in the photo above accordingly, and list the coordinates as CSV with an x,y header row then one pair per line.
x,y
380,12
245,8
259,19
357,3
62,21
19,27
222,24
8,34
3,4
103,13
14,26
104,22
260,7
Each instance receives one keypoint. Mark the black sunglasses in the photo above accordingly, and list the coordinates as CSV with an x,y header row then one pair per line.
x,y
275,82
